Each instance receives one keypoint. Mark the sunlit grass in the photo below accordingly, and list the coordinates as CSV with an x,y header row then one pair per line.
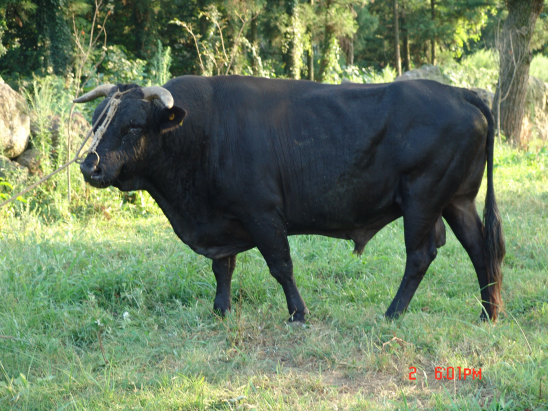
x,y
120,286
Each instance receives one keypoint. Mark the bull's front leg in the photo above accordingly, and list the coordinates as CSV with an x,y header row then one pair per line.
x,y
270,237
223,270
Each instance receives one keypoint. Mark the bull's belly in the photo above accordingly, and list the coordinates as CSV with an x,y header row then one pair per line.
x,y
335,210
359,223
223,238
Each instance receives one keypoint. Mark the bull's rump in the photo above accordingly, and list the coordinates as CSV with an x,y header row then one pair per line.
x,y
338,157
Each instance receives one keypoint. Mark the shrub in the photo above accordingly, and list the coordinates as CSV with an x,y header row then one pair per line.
x,y
539,67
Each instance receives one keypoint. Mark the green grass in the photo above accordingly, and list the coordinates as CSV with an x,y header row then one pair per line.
x,y
116,285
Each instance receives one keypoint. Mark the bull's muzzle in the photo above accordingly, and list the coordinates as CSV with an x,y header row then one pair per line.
x,y
91,170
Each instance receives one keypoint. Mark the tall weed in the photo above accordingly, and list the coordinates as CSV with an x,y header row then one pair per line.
x,y
160,65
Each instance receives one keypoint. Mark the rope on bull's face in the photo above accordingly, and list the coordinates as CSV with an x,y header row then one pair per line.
x,y
110,109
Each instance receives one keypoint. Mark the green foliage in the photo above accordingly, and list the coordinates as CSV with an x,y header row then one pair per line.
x,y
117,67
539,67
54,29
332,66
267,37
368,75
160,65
475,70
539,41
47,98
456,23
17,9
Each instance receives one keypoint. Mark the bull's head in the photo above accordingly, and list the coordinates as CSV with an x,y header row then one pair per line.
x,y
127,143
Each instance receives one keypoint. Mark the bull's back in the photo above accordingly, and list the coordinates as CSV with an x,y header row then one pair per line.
x,y
334,155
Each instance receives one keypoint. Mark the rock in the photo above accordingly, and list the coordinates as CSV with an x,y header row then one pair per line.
x,y
57,130
14,122
79,130
12,171
537,91
536,111
31,160
427,72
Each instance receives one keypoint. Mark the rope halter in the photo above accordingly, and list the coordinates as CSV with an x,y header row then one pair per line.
x,y
150,93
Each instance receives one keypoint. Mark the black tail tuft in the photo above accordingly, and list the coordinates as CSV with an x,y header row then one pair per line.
x,y
493,234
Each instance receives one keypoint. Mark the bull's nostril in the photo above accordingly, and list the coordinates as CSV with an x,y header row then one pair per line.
x,y
90,170
97,172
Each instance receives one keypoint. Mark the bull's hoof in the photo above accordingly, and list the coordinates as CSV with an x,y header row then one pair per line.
x,y
297,324
392,315
221,312
297,318
485,318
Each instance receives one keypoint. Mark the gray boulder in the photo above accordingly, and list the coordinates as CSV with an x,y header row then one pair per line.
x,y
57,130
12,171
31,159
536,111
14,122
426,72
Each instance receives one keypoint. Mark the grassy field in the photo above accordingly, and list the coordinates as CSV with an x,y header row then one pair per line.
x,y
110,311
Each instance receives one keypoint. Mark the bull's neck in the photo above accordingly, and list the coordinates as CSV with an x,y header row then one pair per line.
x,y
178,177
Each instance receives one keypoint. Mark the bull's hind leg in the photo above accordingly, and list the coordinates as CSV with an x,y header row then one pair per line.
x,y
223,269
463,219
421,238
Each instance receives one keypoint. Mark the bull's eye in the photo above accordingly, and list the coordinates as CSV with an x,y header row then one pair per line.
x,y
171,116
134,130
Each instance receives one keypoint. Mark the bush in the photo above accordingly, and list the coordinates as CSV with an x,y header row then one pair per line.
x,y
368,75
477,70
539,67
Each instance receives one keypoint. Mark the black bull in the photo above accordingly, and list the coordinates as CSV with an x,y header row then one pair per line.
x,y
257,160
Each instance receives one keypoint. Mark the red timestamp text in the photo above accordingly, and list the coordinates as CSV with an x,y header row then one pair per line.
x,y
450,373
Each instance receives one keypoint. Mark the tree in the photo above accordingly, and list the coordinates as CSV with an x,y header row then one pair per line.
x,y
293,42
310,51
397,38
54,28
338,21
515,59
433,39
15,10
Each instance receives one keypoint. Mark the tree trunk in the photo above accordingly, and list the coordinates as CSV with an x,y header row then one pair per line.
x,y
433,40
53,26
310,53
328,34
397,38
515,59
255,45
202,26
406,54
289,58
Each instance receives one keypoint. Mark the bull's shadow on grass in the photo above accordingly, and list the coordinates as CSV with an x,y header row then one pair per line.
x,y
150,298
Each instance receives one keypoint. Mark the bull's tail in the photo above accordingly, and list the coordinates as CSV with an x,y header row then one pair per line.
x,y
493,236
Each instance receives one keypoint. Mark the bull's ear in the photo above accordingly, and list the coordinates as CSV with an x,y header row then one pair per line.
x,y
170,118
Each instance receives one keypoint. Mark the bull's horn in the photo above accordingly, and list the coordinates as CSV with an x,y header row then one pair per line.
x,y
154,92
99,91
